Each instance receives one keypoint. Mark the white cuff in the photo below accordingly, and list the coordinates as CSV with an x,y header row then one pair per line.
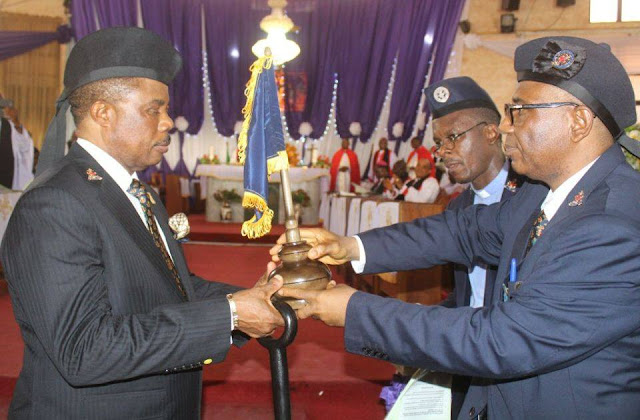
x,y
358,265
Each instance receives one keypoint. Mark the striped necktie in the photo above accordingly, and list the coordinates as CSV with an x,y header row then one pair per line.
x,y
140,192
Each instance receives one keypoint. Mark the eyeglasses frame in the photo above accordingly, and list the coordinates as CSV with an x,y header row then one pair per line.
x,y
454,137
508,108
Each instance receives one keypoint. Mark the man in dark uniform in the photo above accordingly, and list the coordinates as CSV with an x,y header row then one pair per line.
x,y
561,336
114,324
465,130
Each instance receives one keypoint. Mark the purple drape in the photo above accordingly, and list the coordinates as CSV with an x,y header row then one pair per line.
x,y
108,12
14,43
180,23
317,61
355,40
231,30
368,33
443,41
414,57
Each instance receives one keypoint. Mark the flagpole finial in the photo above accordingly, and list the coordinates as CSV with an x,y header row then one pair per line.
x,y
267,51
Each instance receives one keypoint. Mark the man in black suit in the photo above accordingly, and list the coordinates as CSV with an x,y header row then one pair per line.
x,y
114,324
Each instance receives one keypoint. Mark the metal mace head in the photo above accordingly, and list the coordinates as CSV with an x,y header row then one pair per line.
x,y
297,270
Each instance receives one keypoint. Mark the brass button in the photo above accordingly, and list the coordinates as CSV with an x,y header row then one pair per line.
x,y
207,362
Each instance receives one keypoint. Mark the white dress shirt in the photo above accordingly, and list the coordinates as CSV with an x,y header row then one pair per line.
x,y
492,193
554,199
550,205
122,177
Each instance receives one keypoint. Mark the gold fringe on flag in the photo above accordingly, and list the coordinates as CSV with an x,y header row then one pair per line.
x,y
253,229
255,69
278,163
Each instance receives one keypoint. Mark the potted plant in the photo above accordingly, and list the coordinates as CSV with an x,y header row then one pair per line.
x,y
300,199
225,197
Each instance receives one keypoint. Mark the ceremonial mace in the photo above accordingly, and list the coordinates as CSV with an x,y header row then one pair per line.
x,y
300,272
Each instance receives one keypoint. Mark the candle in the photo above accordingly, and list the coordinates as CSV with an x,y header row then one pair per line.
x,y
211,152
314,155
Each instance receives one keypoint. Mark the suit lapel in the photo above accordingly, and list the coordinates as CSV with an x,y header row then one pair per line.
x,y
118,204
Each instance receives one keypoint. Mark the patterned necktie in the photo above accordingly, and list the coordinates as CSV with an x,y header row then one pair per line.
x,y
538,227
140,192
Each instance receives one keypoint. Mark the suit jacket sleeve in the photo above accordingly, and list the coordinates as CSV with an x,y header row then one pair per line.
x,y
60,288
459,236
582,296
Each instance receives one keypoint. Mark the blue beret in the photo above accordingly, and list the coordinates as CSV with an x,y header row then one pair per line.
x,y
587,70
451,95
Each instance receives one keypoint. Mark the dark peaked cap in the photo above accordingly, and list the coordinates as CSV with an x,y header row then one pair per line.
x,y
105,54
455,94
588,71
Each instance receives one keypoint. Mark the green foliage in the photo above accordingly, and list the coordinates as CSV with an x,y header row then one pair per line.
x,y
230,196
301,197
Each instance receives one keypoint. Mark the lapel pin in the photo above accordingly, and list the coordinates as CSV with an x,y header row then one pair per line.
x,y
511,186
92,175
577,200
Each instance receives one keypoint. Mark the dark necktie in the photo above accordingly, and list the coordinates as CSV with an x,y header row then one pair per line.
x,y
538,227
140,192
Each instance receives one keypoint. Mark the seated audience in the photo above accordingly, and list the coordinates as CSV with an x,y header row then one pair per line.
x,y
382,176
399,177
422,189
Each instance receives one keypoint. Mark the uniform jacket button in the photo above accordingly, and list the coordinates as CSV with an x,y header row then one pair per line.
x,y
472,412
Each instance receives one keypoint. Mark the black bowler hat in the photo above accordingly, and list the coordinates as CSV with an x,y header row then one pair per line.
x,y
105,54
451,95
588,71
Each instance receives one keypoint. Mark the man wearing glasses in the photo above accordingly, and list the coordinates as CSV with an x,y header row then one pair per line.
x,y
560,337
465,131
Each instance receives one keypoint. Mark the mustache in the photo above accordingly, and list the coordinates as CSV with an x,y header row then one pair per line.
x,y
165,142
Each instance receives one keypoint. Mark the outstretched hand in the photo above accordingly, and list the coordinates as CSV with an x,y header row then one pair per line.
x,y
330,248
329,305
257,317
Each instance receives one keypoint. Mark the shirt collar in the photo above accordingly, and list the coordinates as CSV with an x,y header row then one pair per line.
x,y
554,199
496,185
111,166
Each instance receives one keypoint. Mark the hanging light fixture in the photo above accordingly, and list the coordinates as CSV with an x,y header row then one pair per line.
x,y
276,25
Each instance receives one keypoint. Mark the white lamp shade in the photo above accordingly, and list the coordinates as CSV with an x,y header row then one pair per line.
x,y
282,49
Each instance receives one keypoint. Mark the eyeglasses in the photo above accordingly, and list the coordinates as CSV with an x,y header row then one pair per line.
x,y
453,137
508,108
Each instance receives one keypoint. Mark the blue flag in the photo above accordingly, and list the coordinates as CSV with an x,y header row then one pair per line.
x,y
260,145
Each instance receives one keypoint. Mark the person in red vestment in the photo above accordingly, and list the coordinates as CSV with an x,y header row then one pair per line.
x,y
419,152
383,157
345,169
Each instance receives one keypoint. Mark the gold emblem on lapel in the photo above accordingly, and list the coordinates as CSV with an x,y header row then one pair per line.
x,y
577,199
92,175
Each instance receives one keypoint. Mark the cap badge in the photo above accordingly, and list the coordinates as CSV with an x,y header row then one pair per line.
x,y
441,94
559,59
92,175
563,59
